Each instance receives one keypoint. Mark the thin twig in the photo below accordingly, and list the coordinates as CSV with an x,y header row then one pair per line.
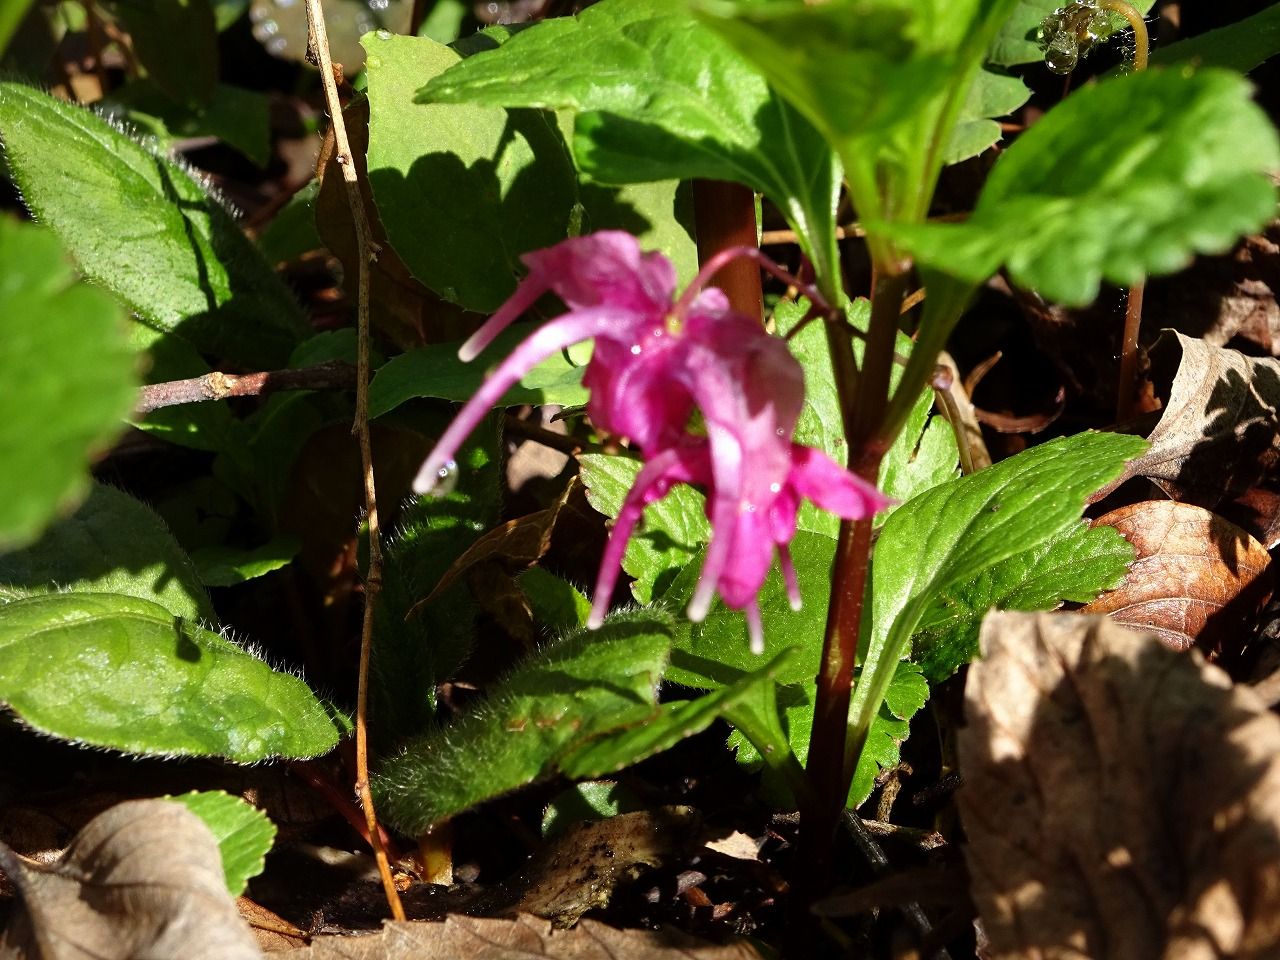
x,y
331,375
318,52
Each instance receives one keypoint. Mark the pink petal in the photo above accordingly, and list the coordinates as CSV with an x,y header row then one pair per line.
x,y
832,487
724,503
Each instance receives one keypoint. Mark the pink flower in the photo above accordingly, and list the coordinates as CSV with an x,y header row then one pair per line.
x,y
656,361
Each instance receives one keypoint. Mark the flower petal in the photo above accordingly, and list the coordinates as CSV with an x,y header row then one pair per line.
x,y
832,487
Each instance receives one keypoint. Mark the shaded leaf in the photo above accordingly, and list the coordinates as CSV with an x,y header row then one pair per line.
x,y
119,672
1219,433
238,117
243,833
1076,566
221,566
434,371
1108,186
1196,579
582,686
592,800
555,603
519,939
462,191
1241,46
141,880
112,544
187,268
68,379
659,97
176,42
1121,800
992,95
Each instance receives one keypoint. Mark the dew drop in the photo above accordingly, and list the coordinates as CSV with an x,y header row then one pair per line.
x,y
276,45
383,34
780,432
446,479
775,488
636,349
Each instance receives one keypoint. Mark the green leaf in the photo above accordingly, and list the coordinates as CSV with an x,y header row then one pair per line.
x,y
992,95
221,566
670,533
554,603
243,832
176,42
186,268
434,371
956,532
593,800
658,214
68,378
675,722
462,191
1015,43
1076,566
907,693
292,232
883,80
583,686
659,97
112,544
1241,46
712,653
1125,178
114,671
238,117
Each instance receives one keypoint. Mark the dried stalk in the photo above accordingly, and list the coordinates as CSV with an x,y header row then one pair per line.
x,y
318,52
331,375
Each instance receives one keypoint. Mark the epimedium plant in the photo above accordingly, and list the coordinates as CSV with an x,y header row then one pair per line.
x,y
536,149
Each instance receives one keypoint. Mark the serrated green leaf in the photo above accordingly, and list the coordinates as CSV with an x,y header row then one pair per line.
x,y
111,544
434,371
883,80
114,671
583,686
956,532
675,722
223,566
1241,46
1077,566
462,191
659,97
1125,178
992,95
143,228
907,693
68,377
243,832
176,42
670,533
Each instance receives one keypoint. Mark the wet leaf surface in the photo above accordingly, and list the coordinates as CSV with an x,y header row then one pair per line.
x,y
1121,800
143,879
1195,576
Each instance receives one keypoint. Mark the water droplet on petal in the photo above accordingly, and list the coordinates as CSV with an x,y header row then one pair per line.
x,y
446,479
775,488
636,349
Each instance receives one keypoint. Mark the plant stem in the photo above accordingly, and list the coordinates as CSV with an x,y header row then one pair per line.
x,y
318,52
1127,391
863,403
725,217
331,375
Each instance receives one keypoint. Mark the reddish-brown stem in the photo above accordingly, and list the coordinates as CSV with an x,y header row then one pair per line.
x,y
332,375
1127,394
863,405
725,216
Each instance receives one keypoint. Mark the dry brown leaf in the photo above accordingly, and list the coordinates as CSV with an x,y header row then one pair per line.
x,y
1195,577
1121,800
143,880
520,939
1219,433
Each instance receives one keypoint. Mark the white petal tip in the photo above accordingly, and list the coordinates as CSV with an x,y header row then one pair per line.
x,y
698,609
595,622
795,603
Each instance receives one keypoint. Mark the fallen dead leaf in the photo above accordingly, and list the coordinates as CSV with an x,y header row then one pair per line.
x,y
1195,579
1121,800
142,880
519,939
1219,434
